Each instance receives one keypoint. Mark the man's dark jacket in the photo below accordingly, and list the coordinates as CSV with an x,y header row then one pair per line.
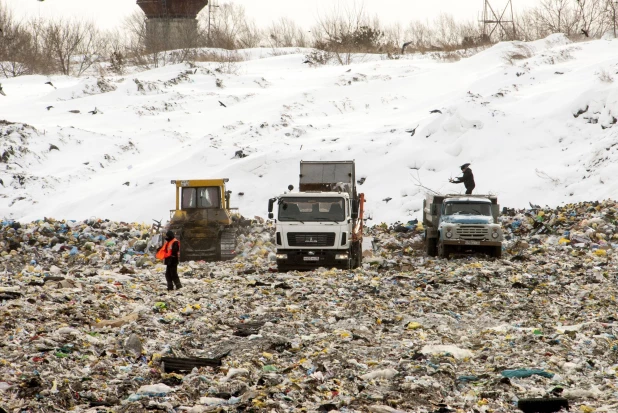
x,y
467,179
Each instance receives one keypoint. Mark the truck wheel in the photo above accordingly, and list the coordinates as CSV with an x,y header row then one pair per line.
x,y
444,251
357,255
496,252
432,247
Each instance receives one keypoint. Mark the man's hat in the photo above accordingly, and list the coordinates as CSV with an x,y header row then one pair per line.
x,y
464,166
170,234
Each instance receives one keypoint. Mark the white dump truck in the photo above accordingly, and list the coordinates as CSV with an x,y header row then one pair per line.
x,y
462,223
322,224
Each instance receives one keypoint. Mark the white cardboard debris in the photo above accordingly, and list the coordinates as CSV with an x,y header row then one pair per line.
x,y
458,353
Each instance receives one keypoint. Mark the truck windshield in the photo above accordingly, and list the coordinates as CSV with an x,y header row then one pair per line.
x,y
466,208
312,209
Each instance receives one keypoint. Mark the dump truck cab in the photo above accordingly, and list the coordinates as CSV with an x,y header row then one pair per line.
x,y
322,224
203,220
460,223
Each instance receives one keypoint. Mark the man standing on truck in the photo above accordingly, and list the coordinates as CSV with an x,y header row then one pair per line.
x,y
467,179
169,253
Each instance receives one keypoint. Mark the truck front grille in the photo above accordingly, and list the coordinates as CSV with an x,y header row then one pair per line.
x,y
472,232
319,239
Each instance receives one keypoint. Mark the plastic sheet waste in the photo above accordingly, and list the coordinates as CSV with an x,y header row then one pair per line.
x,y
522,373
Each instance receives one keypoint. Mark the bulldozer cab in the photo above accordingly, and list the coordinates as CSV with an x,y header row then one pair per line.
x,y
204,199
202,220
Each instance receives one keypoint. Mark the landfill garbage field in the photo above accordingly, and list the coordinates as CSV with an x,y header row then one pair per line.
x,y
88,326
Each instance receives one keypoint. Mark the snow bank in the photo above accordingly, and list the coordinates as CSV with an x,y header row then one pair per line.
x,y
408,123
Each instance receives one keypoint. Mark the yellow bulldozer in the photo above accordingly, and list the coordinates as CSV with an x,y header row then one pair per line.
x,y
203,220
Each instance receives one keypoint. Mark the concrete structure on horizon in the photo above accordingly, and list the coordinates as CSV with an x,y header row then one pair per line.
x,y
171,24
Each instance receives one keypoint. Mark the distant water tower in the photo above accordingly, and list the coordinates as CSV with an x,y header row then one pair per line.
x,y
171,24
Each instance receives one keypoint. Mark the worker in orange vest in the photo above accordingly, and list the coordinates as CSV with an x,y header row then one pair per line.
x,y
170,253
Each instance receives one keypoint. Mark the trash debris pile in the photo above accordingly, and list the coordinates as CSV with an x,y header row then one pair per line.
x,y
52,245
404,333
48,247
584,227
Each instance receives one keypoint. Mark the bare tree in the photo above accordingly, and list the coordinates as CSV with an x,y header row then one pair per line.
x,y
347,30
91,50
470,35
443,34
17,52
528,27
250,36
286,33
135,27
447,32
556,16
419,36
571,17
16,47
611,10
231,29
117,50
41,59
393,38
591,14
74,45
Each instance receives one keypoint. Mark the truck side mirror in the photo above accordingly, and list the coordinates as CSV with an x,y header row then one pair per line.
x,y
495,211
354,213
434,209
271,202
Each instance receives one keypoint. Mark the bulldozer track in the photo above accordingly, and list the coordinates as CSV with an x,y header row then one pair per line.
x,y
228,244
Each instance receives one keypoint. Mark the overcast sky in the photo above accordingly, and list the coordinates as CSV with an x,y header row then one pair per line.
x,y
108,13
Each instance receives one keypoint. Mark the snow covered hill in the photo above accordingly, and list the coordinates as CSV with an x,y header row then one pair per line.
x,y
540,128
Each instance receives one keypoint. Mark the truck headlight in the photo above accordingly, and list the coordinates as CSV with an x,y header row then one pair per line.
x,y
495,235
448,232
341,256
282,256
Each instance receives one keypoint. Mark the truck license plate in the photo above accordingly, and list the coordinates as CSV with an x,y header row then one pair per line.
x,y
311,258
473,242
